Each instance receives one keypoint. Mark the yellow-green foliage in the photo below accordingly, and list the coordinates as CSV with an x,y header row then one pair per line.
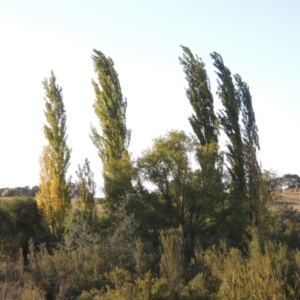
x,y
53,206
172,259
69,270
144,260
79,264
165,218
54,196
15,283
117,174
20,220
113,141
86,189
9,236
86,266
263,274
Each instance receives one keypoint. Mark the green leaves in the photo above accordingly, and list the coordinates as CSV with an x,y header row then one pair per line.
x,y
86,187
55,159
204,121
113,141
110,108
229,119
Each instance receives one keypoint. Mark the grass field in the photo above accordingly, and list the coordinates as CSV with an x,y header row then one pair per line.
x,y
285,201
288,200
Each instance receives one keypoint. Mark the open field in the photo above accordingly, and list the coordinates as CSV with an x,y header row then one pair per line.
x,y
289,200
99,207
285,200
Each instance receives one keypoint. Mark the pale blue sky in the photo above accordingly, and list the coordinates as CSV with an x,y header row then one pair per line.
x,y
257,39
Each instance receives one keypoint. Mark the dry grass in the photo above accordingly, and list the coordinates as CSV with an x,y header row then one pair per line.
x,y
7,198
99,207
291,200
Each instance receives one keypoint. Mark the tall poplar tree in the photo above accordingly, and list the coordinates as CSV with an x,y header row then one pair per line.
x,y
203,121
229,120
251,146
55,159
205,125
113,140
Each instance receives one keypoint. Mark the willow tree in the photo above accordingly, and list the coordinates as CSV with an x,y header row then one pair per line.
x,y
54,198
177,196
113,140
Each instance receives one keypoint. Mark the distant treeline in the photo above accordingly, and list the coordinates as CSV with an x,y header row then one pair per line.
x,y
289,180
25,191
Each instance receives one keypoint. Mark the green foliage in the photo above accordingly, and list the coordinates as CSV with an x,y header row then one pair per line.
x,y
15,283
27,217
262,275
206,127
145,259
180,195
21,221
80,262
73,267
54,160
251,145
9,237
229,119
88,266
175,226
289,181
110,109
196,289
204,122
172,258
25,191
118,188
86,188
112,143
55,131
168,168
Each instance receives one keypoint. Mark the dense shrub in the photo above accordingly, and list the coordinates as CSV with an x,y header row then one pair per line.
x,y
9,237
22,221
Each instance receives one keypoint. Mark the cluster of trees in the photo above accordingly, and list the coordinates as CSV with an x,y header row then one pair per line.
x,y
186,220
289,181
25,191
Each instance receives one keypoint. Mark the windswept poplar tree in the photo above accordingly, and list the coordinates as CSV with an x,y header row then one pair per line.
x,y
113,140
205,125
54,197
204,121
251,146
229,120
